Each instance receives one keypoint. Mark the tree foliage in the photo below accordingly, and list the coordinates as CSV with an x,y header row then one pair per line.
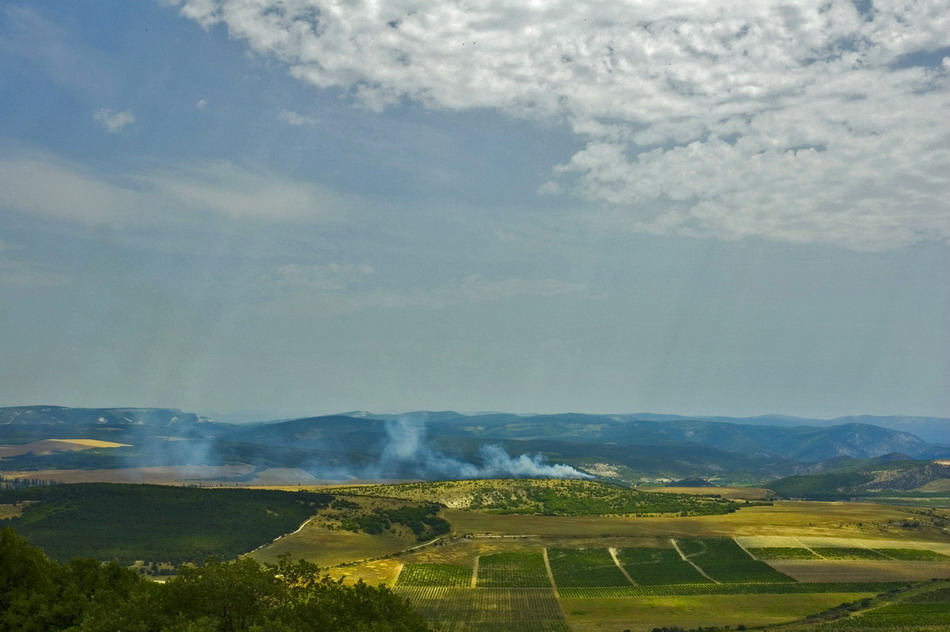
x,y
40,595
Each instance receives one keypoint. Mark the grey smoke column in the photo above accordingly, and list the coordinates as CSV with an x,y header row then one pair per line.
x,y
407,453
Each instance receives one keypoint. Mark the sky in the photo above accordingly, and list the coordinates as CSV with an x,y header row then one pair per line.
x,y
288,207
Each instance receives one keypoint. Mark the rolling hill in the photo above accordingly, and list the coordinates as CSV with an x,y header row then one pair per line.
x,y
446,444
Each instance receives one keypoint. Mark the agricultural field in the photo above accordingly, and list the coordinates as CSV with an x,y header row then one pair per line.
x,y
694,611
656,566
783,553
723,560
354,528
922,609
585,567
49,446
488,609
822,559
514,557
450,575
710,588
513,570
10,511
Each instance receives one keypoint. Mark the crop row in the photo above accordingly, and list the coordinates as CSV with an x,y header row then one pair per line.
x,y
435,575
487,610
585,567
686,590
512,570
649,567
725,561
845,553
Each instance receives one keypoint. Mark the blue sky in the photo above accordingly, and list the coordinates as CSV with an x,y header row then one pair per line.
x,y
304,207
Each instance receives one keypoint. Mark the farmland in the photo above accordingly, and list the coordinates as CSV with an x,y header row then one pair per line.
x,y
585,567
484,571
435,575
488,610
513,570
724,561
656,566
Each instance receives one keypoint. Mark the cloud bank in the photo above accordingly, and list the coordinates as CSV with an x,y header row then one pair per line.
x,y
816,121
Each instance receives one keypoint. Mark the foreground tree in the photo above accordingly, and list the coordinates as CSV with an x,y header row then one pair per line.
x,y
37,594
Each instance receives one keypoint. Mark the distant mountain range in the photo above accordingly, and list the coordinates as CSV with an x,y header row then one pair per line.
x,y
429,445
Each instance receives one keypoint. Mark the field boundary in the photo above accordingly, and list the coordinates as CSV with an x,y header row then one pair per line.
x,y
691,562
550,572
475,571
808,548
613,555
747,552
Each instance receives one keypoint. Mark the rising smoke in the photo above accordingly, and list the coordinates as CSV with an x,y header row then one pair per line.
x,y
408,454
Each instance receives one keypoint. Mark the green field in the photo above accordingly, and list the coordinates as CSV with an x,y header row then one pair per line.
x,y
914,555
782,553
585,567
653,566
925,609
512,570
725,561
848,553
695,611
773,588
449,575
488,609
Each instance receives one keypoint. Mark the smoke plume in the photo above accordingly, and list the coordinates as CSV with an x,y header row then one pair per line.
x,y
408,454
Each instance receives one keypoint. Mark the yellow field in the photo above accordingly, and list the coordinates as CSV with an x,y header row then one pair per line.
x,y
329,548
867,543
645,613
48,446
155,475
784,518
92,443
10,511
861,570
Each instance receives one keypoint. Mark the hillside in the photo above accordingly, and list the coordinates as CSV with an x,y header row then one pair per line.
x,y
863,479
440,445
550,497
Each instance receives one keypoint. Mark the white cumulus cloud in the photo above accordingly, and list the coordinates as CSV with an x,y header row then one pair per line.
x,y
113,120
813,121
293,118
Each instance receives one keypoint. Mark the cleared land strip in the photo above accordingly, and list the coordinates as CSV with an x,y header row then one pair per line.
x,y
475,571
689,561
747,552
547,567
613,555
808,548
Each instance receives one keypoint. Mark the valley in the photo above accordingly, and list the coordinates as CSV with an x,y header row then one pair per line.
x,y
541,527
